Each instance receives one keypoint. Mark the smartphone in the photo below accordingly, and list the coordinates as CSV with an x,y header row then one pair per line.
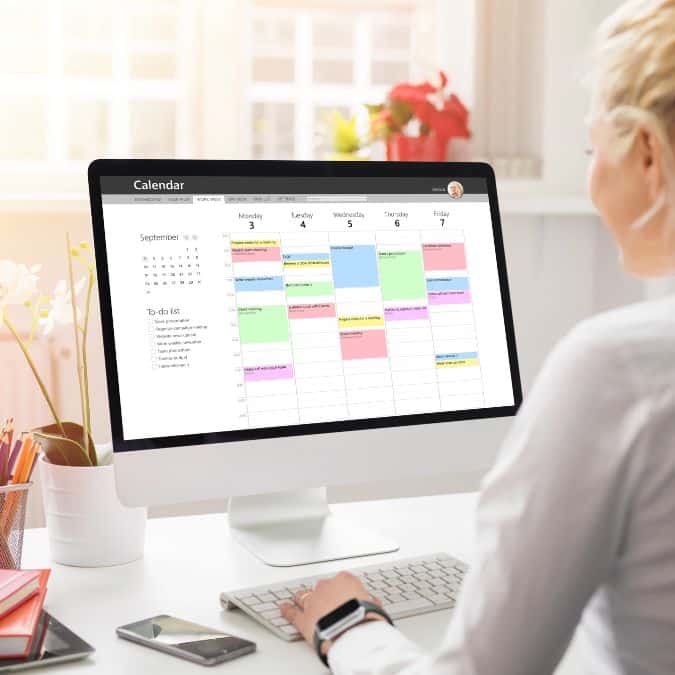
x,y
187,640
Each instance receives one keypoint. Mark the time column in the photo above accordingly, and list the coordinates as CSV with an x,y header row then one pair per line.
x,y
233,345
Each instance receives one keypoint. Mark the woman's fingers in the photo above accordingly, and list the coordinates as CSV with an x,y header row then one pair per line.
x,y
289,612
293,614
301,597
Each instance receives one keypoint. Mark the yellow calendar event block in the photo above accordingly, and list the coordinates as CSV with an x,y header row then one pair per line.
x,y
255,243
361,321
306,263
461,363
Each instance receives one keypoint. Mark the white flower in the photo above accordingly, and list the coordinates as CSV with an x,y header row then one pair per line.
x,y
61,312
18,283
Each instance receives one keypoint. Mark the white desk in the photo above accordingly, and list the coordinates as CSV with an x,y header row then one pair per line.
x,y
189,560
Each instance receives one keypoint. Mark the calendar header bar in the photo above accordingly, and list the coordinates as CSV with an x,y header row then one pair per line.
x,y
286,185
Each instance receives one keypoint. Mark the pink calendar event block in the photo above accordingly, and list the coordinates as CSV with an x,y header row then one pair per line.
x,y
405,313
316,311
256,254
444,257
263,373
450,298
363,344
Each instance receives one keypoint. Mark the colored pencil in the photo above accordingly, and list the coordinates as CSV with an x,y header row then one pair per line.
x,y
24,453
13,457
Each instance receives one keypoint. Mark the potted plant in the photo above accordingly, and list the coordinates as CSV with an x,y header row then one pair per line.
x,y
418,121
86,523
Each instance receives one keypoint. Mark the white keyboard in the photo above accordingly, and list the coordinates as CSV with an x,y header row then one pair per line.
x,y
405,588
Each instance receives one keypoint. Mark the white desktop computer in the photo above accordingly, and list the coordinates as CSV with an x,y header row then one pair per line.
x,y
272,328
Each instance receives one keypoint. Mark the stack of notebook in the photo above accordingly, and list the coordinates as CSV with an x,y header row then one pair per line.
x,y
22,594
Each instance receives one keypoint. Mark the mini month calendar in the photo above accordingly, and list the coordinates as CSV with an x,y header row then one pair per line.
x,y
172,264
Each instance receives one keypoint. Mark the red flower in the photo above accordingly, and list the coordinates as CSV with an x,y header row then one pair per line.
x,y
411,93
445,115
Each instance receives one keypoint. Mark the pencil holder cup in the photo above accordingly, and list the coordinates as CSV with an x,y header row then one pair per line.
x,y
13,499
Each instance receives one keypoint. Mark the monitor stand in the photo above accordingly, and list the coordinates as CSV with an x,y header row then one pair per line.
x,y
297,528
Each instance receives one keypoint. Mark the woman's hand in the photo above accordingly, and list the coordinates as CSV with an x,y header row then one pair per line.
x,y
328,594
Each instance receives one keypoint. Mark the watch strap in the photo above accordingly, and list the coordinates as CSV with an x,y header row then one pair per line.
x,y
370,607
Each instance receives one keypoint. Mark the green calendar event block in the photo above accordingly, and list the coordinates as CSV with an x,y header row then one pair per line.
x,y
263,324
402,275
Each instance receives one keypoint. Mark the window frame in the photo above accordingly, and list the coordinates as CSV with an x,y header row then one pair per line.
x,y
57,176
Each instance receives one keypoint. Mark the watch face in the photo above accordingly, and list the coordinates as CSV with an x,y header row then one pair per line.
x,y
338,614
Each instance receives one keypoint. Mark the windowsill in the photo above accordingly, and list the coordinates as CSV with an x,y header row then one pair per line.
x,y
516,198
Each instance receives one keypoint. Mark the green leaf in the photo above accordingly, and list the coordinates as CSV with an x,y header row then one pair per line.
x,y
67,450
401,113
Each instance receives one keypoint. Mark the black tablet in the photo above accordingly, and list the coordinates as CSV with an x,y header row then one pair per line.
x,y
53,643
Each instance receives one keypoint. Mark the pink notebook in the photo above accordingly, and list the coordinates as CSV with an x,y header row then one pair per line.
x,y
18,626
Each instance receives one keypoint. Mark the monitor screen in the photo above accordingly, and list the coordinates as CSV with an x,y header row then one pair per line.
x,y
249,307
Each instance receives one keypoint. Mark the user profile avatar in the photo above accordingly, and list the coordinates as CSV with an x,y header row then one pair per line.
x,y
455,189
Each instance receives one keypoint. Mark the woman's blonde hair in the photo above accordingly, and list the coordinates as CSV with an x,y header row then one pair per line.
x,y
634,74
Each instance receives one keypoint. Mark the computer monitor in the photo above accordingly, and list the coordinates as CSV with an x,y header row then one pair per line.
x,y
271,328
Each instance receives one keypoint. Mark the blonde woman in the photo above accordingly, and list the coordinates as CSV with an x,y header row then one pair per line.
x,y
576,522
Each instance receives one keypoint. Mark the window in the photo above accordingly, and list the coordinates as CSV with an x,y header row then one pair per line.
x,y
84,80
242,78
310,58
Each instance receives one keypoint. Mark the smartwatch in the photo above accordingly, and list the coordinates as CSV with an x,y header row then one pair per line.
x,y
341,619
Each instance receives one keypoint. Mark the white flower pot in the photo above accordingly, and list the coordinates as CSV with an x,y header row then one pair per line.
x,y
87,526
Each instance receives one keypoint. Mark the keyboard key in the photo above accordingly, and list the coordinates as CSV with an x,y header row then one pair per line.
x,y
407,606
247,599
267,597
406,587
432,566
375,577
289,630
390,574
279,621
272,614
395,597
283,595
263,607
423,586
438,599
461,566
